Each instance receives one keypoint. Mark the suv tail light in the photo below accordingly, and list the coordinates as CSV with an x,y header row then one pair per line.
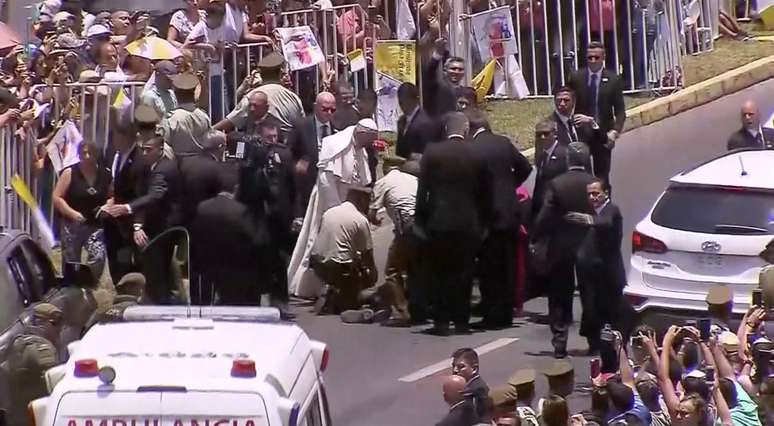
x,y
642,242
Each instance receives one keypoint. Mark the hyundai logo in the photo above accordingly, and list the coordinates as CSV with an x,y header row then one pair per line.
x,y
710,247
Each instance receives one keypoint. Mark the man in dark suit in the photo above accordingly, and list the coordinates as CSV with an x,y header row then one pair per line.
x,y
565,193
231,261
752,134
155,208
600,267
127,170
453,210
440,90
415,128
461,410
600,95
550,160
571,126
305,141
497,258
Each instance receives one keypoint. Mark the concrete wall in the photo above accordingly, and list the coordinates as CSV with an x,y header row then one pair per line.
x,y
645,158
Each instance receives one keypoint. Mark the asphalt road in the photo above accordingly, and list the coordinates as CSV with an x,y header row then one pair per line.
x,y
368,361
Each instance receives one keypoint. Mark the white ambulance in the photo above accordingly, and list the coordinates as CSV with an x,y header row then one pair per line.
x,y
189,366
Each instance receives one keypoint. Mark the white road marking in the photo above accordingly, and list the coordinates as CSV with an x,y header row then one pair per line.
x,y
442,365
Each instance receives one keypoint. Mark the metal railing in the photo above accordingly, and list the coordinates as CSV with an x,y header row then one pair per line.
x,y
641,39
17,157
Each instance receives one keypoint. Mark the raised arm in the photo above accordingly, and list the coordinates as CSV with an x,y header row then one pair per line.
x,y
667,388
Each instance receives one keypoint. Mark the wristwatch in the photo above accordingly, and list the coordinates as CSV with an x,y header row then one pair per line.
x,y
138,226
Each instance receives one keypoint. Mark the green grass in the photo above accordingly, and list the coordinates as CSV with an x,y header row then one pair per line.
x,y
517,119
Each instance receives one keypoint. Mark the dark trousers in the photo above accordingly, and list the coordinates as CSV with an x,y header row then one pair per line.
x,y
561,287
497,276
156,266
343,281
602,164
449,259
121,251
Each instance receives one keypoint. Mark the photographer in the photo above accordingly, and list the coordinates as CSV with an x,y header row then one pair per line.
x,y
267,188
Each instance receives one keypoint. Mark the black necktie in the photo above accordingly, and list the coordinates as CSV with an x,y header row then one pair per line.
x,y
594,88
571,131
324,133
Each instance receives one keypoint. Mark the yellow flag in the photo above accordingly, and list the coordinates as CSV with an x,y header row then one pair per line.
x,y
483,81
23,191
21,188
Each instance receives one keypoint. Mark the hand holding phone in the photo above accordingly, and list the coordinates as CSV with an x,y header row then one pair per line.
x,y
704,329
757,297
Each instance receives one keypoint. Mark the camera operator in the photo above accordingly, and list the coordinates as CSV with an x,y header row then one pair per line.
x,y
266,177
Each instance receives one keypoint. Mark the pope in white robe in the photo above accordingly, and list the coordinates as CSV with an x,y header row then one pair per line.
x,y
343,163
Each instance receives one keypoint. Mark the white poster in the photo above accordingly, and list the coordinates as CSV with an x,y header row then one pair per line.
x,y
300,47
407,28
387,109
63,149
494,34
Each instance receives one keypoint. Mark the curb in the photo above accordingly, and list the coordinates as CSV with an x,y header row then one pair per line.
x,y
696,95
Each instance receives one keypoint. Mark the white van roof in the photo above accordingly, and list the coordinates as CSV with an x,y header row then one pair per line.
x,y
194,353
742,168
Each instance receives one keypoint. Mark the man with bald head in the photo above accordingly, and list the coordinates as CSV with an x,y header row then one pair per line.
x,y
454,209
305,141
461,412
752,134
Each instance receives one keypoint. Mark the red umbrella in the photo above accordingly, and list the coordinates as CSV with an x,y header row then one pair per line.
x,y
8,37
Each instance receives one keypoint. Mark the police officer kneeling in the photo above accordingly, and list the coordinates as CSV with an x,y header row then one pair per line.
x,y
129,291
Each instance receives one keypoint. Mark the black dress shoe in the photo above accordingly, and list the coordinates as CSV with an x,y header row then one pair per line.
x,y
437,331
491,325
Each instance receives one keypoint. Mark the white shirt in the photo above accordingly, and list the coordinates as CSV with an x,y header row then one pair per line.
x,y
284,105
343,232
397,192
234,21
204,34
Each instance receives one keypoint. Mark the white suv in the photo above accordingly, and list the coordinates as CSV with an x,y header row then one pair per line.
x,y
705,230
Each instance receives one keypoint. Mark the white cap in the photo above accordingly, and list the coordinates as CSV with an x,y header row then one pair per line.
x,y
368,124
61,16
97,30
696,374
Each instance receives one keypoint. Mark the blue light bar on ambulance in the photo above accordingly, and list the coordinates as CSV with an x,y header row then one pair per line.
x,y
215,313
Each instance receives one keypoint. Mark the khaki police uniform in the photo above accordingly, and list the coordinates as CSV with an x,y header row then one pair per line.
x,y
30,355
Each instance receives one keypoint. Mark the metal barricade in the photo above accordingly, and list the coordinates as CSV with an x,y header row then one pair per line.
x,y
641,38
90,106
242,60
699,20
336,30
17,158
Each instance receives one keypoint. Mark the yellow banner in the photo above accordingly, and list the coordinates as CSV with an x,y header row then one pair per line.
x,y
397,59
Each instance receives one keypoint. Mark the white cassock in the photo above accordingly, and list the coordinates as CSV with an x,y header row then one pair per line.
x,y
341,166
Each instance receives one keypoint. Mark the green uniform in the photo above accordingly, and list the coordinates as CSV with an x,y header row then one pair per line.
x,y
29,357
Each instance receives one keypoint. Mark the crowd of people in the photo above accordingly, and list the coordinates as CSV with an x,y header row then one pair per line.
x,y
699,373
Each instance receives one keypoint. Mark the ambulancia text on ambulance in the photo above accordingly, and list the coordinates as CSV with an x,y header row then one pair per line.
x,y
189,366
